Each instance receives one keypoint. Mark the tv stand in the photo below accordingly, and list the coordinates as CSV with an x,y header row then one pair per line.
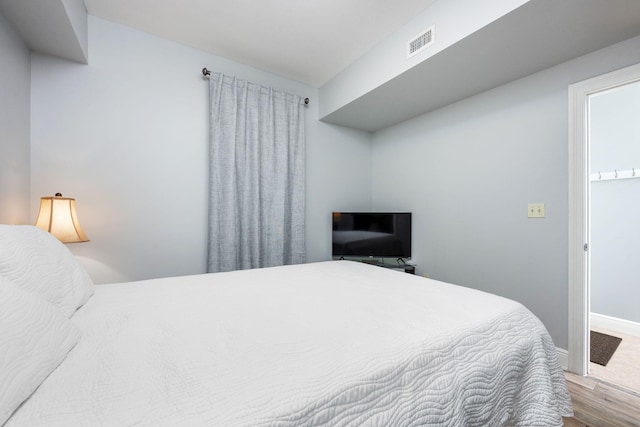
x,y
407,268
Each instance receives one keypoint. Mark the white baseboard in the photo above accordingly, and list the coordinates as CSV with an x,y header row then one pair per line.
x,y
563,355
615,325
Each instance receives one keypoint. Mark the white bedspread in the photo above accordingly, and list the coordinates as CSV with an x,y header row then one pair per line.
x,y
328,344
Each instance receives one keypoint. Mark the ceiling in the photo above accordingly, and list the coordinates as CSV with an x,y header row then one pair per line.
x,y
305,40
312,42
531,38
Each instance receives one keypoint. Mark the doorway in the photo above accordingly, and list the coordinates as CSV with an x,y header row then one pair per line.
x,y
581,134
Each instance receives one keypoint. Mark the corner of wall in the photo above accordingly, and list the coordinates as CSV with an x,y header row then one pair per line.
x,y
78,19
15,123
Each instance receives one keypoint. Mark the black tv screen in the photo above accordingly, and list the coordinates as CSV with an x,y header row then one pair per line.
x,y
372,234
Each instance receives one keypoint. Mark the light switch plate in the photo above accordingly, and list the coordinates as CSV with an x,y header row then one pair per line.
x,y
535,210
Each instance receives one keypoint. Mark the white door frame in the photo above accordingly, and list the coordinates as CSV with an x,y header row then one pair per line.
x,y
579,299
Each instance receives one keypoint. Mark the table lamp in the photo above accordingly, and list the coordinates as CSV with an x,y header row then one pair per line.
x,y
58,216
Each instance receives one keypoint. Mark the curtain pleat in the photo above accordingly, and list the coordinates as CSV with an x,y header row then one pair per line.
x,y
257,175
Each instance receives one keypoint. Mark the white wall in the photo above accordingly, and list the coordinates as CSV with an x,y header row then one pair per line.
x,y
467,172
14,126
127,137
615,204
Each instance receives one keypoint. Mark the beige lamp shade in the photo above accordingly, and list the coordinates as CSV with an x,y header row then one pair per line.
x,y
58,216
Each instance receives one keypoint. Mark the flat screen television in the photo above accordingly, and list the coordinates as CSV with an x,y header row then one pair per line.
x,y
371,234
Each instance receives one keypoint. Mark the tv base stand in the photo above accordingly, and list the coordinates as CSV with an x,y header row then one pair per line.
x,y
407,268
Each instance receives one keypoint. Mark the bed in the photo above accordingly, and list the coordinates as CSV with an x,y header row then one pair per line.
x,y
336,343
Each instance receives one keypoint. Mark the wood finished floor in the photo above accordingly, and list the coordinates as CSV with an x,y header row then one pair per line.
x,y
624,367
600,404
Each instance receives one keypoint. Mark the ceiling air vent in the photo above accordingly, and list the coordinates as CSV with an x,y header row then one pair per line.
x,y
420,42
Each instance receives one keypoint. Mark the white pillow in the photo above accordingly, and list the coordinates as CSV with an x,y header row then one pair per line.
x,y
34,339
38,262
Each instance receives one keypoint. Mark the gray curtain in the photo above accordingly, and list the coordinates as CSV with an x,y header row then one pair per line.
x,y
257,176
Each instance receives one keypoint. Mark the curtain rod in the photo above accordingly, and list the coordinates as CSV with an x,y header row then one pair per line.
x,y
207,73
